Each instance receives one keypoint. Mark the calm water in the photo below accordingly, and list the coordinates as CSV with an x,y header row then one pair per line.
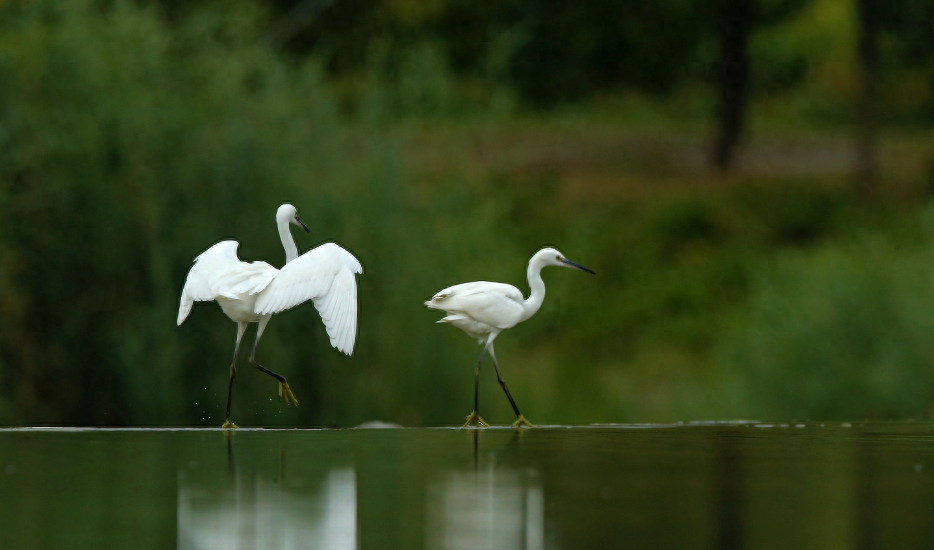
x,y
693,486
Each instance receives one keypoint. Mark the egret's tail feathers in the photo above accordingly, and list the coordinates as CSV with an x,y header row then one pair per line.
x,y
184,308
435,302
452,318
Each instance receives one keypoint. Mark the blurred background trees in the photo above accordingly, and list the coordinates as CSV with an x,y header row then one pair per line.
x,y
750,179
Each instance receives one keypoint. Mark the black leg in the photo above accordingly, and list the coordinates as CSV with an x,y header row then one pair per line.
x,y
505,389
284,391
233,372
241,328
476,382
278,377
476,394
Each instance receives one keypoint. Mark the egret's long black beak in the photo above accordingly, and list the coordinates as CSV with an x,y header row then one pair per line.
x,y
305,227
578,266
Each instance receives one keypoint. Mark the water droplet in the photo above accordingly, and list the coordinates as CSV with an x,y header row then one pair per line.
x,y
846,425
918,467
9,469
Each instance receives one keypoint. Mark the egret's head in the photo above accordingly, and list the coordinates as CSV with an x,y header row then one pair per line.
x,y
288,214
551,256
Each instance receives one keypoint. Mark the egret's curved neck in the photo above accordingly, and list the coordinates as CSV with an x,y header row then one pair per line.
x,y
537,286
291,251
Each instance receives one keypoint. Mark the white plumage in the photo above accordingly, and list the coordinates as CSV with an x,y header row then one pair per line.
x,y
219,274
253,292
480,308
248,291
483,309
325,276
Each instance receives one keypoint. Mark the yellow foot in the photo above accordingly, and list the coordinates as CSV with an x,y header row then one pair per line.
x,y
475,417
228,425
285,393
521,421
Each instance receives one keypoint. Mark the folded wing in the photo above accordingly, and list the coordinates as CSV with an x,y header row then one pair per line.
x,y
495,304
219,272
324,275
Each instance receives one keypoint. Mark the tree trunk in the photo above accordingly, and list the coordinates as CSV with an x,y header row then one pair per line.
x,y
734,20
867,53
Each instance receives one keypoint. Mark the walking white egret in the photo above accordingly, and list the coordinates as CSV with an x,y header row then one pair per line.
x,y
253,292
483,310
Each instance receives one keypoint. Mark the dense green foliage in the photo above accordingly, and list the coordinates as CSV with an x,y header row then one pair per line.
x,y
131,146
133,137
852,324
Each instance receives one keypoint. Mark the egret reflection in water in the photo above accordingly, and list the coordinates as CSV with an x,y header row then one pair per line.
x,y
257,512
490,507
277,502
748,485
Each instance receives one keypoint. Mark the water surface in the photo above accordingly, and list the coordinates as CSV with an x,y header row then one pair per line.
x,y
681,486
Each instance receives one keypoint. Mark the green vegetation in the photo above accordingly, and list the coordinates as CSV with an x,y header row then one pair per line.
x,y
130,141
850,322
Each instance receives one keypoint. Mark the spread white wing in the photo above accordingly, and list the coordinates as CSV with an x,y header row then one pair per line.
x,y
495,304
219,272
324,275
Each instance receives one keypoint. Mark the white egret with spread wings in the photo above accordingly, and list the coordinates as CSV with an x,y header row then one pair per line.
x,y
253,292
483,310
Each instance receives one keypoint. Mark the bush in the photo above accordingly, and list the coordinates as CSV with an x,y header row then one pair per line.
x,y
841,332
